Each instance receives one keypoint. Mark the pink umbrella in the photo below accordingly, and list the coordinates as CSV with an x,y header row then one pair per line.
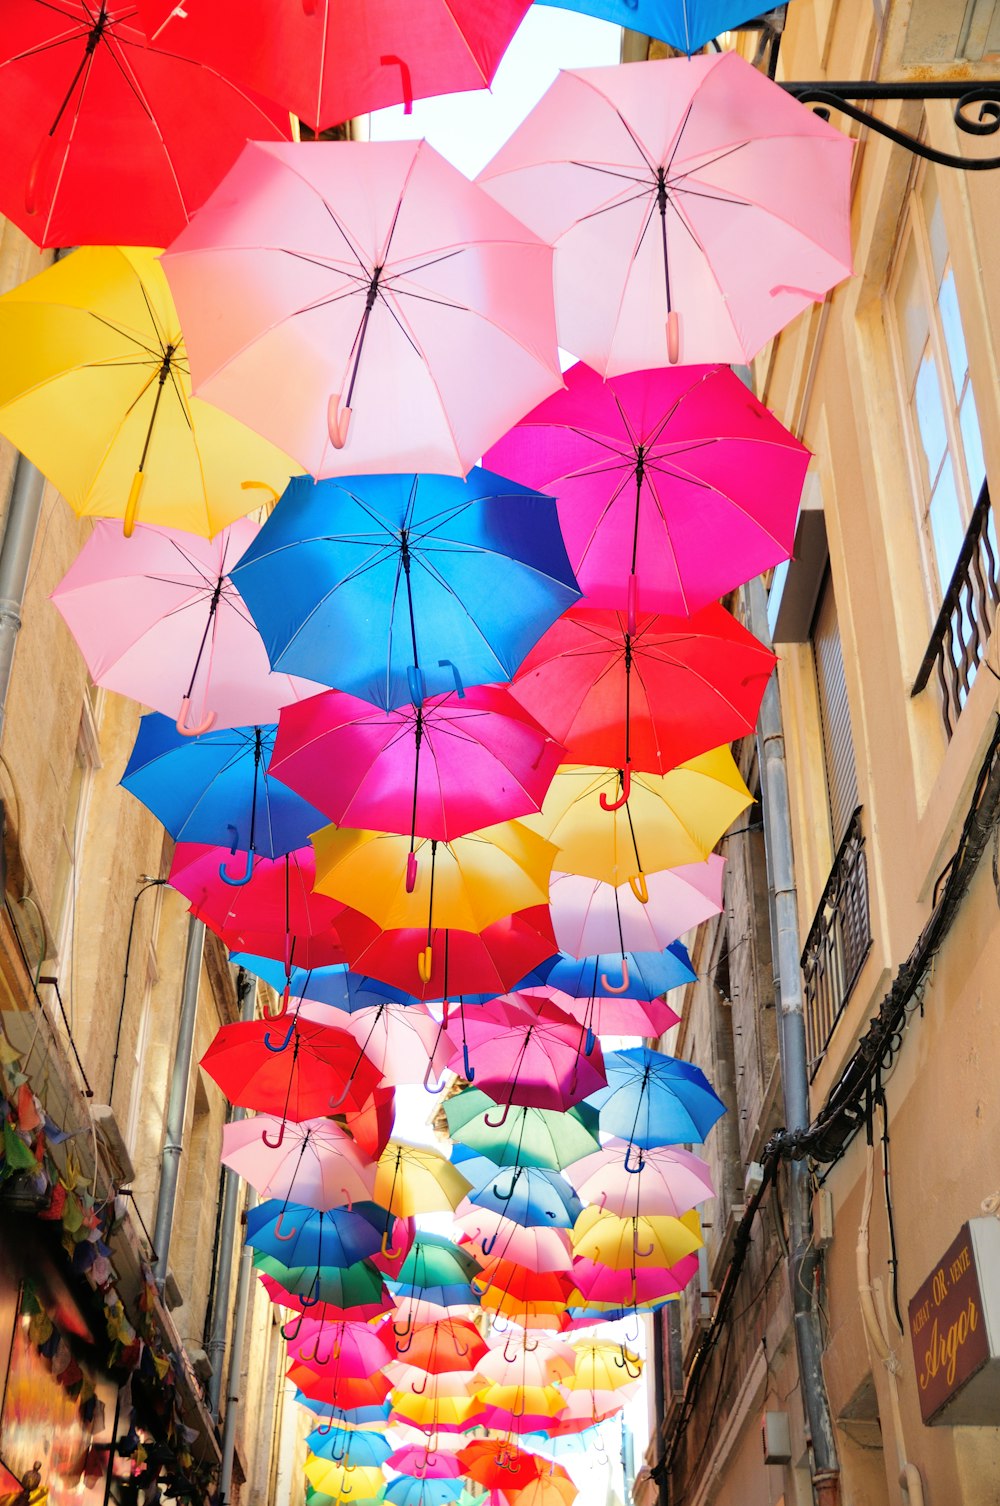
x,y
403,1041
670,1181
158,619
441,769
682,469
344,1350
275,915
316,1164
590,917
328,63
694,206
525,1051
601,1015
514,1359
410,317
426,1464
540,1249
598,1283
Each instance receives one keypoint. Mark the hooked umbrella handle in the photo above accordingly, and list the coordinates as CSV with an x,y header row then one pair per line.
x,y
132,505
338,421
425,964
388,58
616,988
264,486
639,888
459,687
673,337
632,610
411,872
616,805
237,881
182,721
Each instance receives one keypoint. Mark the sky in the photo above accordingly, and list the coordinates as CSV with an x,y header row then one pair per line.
x,y
470,128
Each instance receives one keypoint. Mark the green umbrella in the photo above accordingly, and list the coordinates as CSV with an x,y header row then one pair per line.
x,y
342,1286
436,1270
527,1137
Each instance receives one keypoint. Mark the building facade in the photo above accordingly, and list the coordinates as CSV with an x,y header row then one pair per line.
x,y
105,1339
888,680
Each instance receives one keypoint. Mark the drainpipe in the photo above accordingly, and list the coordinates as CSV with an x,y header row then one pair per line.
x,y
803,1257
173,1135
24,508
246,988
234,1383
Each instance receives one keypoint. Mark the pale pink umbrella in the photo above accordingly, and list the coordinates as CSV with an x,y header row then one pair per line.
x,y
365,298
158,619
315,1162
516,1359
695,208
403,1040
669,1183
538,1248
600,1015
589,917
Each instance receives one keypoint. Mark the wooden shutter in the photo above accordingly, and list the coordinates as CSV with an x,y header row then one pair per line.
x,y
835,714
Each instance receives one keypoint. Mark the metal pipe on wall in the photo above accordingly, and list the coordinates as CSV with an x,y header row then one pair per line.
x,y
180,1077
24,509
803,1256
246,989
234,1383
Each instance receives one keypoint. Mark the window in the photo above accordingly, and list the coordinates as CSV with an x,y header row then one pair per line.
x,y
834,714
86,764
933,365
136,1095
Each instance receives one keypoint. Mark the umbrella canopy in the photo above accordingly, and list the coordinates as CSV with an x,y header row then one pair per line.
x,y
293,1070
527,1136
685,25
95,389
317,1162
614,1016
513,1358
349,1348
336,986
410,316
462,962
626,1243
528,1195
670,1182
449,1344
275,912
347,1292
215,789
399,587
422,1461
107,138
652,1099
407,1490
157,618
330,63
300,1236
548,1489
350,1446
694,206
413,1179
437,1271
525,1051
639,976
403,1041
664,821
440,769
467,884
682,469
589,917
646,692
489,1232
493,1463
621,1292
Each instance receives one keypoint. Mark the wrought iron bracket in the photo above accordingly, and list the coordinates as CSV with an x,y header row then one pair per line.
x,y
967,94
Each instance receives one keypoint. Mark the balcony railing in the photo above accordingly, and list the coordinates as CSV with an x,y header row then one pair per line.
x,y
961,634
838,942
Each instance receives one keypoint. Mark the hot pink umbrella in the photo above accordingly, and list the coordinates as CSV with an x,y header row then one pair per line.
x,y
590,917
345,1350
694,206
276,914
441,769
410,317
527,1052
670,1182
425,1463
329,62
158,619
316,1164
672,486
598,1283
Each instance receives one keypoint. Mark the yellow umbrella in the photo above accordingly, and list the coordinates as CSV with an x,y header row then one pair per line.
x,y
343,1481
548,1490
625,1244
536,1401
466,884
413,1179
435,1411
603,1366
668,819
95,389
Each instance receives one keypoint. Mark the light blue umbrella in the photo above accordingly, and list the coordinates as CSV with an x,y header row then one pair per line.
x,y
653,1099
409,1490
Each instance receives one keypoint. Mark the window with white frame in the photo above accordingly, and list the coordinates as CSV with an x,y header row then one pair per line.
x,y
946,450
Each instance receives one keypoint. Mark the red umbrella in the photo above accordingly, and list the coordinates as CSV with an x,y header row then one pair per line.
x,y
106,139
330,62
647,696
525,1051
276,914
371,1124
336,1390
463,962
299,1071
494,1463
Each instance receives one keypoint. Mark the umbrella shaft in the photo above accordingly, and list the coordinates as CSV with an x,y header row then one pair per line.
x,y
661,204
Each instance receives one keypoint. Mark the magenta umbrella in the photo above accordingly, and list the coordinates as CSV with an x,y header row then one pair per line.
x,y
694,206
672,486
425,1463
525,1051
410,317
158,619
442,769
315,1163
630,1288
590,917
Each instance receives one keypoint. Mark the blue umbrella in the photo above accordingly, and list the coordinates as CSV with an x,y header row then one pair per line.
x,y
300,1236
336,986
532,1196
653,1099
684,24
409,1490
215,789
398,587
337,1416
650,974
347,1446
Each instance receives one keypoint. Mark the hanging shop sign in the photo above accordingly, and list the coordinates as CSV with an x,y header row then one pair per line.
x,y
955,1330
